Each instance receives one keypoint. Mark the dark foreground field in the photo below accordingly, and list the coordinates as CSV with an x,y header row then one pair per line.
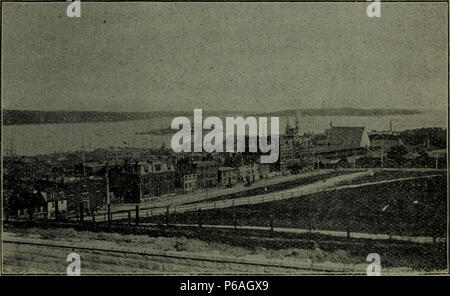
x,y
409,208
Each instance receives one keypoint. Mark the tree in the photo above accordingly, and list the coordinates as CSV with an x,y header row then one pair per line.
x,y
396,154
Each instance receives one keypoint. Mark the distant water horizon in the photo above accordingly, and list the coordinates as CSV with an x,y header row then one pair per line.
x,y
37,139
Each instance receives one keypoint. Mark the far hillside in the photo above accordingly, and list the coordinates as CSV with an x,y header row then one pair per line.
x,y
46,117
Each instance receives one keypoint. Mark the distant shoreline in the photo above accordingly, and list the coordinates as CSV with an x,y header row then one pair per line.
x,y
23,117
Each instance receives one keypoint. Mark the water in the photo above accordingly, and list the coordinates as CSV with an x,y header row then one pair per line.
x,y
37,139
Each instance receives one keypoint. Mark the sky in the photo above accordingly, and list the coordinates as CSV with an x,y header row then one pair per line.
x,y
223,56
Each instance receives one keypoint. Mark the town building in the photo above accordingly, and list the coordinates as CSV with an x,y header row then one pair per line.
x,y
57,203
248,173
347,138
263,170
207,173
228,176
186,179
342,142
133,181
293,148
26,205
189,182
384,141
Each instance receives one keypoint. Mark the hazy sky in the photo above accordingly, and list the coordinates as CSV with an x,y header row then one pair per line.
x,y
217,56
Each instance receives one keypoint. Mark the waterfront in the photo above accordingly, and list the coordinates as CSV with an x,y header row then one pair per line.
x,y
49,138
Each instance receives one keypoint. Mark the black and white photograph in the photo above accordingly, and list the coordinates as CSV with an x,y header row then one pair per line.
x,y
224,138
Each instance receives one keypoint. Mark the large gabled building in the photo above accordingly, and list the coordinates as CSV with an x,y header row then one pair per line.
x,y
339,142
344,138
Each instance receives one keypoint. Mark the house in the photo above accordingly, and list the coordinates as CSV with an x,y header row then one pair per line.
x,y
86,194
228,176
263,170
207,173
29,205
57,202
186,179
189,182
135,180
248,173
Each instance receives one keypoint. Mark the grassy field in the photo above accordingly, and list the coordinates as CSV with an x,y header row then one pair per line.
x,y
280,186
413,207
391,175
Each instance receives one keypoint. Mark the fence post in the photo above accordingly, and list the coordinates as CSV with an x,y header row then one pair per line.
x,y
109,213
271,223
81,212
167,215
137,214
129,218
56,210
93,221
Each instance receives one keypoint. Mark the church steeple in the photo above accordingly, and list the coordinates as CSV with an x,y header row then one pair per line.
x,y
297,123
287,126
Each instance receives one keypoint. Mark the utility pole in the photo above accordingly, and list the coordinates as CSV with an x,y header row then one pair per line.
x,y
84,160
314,157
108,201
